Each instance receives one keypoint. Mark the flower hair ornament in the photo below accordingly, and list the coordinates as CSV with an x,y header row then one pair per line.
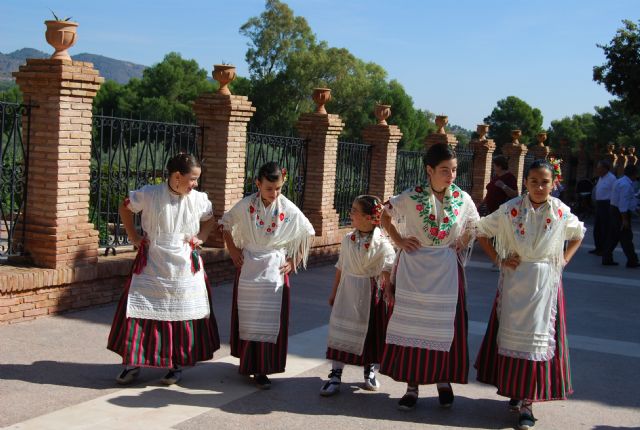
x,y
376,214
283,171
557,171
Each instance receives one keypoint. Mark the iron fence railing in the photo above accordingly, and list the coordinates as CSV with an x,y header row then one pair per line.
x,y
127,154
15,120
352,176
464,177
289,152
409,170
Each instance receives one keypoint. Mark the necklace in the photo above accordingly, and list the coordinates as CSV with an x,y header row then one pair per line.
x,y
439,192
172,190
537,203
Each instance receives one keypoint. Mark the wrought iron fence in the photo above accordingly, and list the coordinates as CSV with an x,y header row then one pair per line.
x,y
127,154
352,176
464,178
409,170
289,152
15,122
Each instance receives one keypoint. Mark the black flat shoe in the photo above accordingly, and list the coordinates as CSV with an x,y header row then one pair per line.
x,y
408,402
445,396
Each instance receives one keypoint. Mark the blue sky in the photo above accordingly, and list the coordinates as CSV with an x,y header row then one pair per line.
x,y
453,57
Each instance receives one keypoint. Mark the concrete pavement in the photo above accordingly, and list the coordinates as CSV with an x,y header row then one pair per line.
x,y
55,373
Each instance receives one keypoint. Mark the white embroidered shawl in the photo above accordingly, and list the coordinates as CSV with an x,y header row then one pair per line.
x,y
427,279
527,300
267,237
362,258
166,289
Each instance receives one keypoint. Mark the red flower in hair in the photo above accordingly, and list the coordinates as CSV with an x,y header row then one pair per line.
x,y
284,172
514,212
127,201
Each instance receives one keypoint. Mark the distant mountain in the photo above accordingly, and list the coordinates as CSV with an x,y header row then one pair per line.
x,y
117,70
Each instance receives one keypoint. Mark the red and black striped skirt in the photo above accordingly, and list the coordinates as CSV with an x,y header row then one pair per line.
x,y
376,333
154,343
261,358
519,378
425,366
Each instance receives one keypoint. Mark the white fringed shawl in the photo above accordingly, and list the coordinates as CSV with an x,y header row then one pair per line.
x,y
527,300
362,258
267,236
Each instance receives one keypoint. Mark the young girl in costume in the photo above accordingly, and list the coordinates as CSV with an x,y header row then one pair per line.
x,y
165,315
426,339
525,352
267,237
359,318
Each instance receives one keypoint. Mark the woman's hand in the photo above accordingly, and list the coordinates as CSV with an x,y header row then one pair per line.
x,y
288,267
332,298
388,293
236,257
511,262
409,244
137,240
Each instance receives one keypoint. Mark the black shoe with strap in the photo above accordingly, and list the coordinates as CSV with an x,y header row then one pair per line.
x,y
262,382
332,386
409,400
445,396
526,420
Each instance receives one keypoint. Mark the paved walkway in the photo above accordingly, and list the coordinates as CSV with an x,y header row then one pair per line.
x,y
55,373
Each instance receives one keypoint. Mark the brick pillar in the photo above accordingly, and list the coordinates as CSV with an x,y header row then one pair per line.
x,y
483,149
515,152
321,130
58,231
384,140
225,118
540,151
440,136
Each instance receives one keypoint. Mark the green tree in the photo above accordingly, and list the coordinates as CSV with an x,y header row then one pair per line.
x,y
164,93
614,124
576,129
620,75
510,114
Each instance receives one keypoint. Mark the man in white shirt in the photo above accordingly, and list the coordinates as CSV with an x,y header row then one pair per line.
x,y
623,203
602,195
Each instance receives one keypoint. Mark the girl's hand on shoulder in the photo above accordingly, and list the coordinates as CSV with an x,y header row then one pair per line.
x,y
511,262
287,267
409,244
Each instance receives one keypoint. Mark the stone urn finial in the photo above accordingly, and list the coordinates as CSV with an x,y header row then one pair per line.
x,y
515,136
382,112
542,137
482,130
62,36
321,96
224,74
441,122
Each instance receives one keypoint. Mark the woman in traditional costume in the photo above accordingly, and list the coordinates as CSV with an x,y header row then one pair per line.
x,y
165,316
267,237
358,322
525,352
426,339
